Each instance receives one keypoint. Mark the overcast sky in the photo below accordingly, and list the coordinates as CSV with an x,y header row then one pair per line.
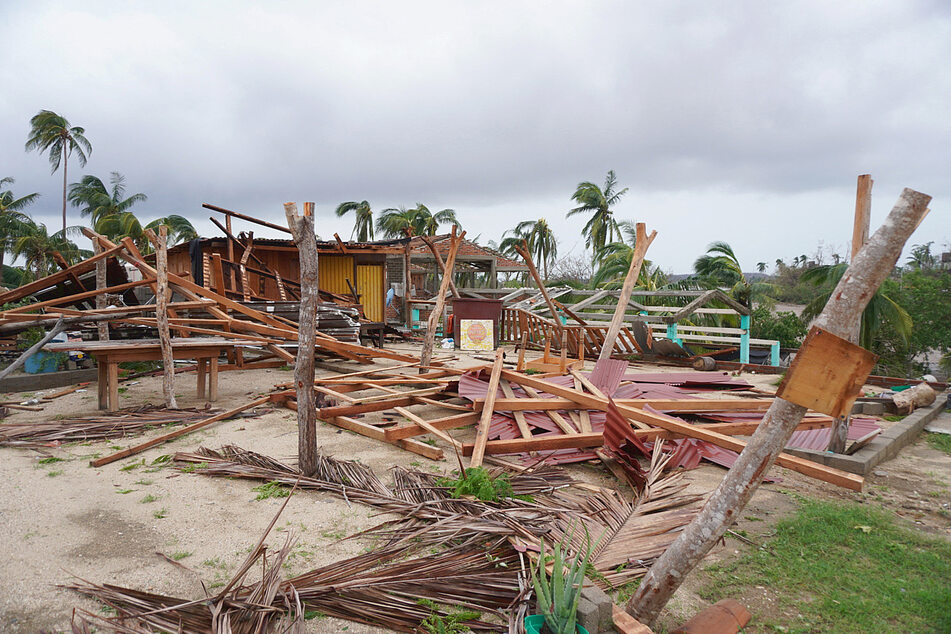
x,y
744,121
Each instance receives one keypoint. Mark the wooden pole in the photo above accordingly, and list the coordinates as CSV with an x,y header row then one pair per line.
x,y
101,283
160,243
302,228
522,250
867,271
641,243
860,227
482,434
439,265
407,284
430,340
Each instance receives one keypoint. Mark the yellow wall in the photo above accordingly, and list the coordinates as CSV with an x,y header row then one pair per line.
x,y
334,270
370,288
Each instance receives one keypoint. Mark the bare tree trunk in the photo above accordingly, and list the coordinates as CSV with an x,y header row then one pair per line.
x,y
302,227
523,251
439,265
160,243
65,163
101,283
641,243
430,340
867,271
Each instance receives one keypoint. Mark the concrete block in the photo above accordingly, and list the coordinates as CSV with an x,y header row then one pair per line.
x,y
595,610
873,409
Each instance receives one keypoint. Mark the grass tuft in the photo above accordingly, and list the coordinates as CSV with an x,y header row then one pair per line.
x,y
271,490
941,442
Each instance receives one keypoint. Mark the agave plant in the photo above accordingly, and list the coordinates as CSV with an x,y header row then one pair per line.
x,y
558,595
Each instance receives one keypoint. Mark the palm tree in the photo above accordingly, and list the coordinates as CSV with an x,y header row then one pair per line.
x,y
881,309
420,221
540,239
720,267
601,228
761,267
51,132
96,201
921,257
36,246
127,224
362,223
11,216
614,260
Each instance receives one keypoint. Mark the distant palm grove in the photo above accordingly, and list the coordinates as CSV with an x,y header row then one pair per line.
x,y
907,323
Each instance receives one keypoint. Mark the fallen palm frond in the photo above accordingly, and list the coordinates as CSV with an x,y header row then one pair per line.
x,y
99,427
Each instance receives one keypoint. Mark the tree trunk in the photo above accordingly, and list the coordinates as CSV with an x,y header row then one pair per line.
x,y
302,228
65,162
867,271
642,242
101,283
161,314
430,340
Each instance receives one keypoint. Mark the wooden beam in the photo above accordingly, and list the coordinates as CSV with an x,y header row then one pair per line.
x,y
439,265
510,404
436,314
248,218
446,422
642,242
538,443
485,420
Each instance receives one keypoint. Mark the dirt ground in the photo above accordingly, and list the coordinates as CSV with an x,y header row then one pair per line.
x,y
65,519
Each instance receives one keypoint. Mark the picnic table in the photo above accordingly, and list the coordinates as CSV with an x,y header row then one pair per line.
x,y
109,354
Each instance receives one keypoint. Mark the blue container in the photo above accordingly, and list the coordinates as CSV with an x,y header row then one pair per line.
x,y
533,624
40,363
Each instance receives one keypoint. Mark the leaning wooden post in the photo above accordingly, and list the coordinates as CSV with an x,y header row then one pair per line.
x,y
439,265
860,227
302,228
522,250
430,340
160,243
867,271
641,243
101,283
485,420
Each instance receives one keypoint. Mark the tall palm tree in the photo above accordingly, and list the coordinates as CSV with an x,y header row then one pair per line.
x,y
96,201
540,239
52,132
881,309
601,228
127,224
921,257
11,215
395,222
363,220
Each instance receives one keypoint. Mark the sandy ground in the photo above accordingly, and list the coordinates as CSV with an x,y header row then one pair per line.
x,y
106,525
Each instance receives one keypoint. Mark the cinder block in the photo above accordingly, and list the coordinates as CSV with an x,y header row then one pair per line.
x,y
873,409
595,610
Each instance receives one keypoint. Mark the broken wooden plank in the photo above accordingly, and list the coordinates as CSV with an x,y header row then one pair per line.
x,y
537,443
482,434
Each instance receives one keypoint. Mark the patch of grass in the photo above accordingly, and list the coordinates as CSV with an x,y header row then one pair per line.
x,y
271,490
893,418
941,442
143,482
452,622
161,514
180,554
53,474
333,534
844,568
133,465
49,460
481,485
148,499
214,562
310,615
531,371
195,466
124,491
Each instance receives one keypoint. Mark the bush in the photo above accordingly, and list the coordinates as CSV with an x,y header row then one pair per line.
x,y
785,327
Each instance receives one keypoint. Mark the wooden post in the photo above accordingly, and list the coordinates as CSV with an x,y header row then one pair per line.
x,y
231,271
867,271
101,283
641,243
860,227
522,250
482,434
302,228
439,265
407,285
430,340
160,243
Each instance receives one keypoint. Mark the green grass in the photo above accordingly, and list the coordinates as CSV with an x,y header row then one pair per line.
x,y
49,460
843,568
160,515
941,442
180,554
148,499
124,491
271,490
53,474
133,465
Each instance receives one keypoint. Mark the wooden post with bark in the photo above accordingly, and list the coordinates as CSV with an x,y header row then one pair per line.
x,y
641,243
439,265
860,228
160,243
302,228
430,340
522,250
868,270
101,283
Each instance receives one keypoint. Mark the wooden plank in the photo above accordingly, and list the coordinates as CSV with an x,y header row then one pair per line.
x,y
447,422
519,416
665,405
538,443
641,244
178,433
420,422
54,279
256,221
482,434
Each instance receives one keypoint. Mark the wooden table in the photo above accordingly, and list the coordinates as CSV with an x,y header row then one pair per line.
x,y
109,354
